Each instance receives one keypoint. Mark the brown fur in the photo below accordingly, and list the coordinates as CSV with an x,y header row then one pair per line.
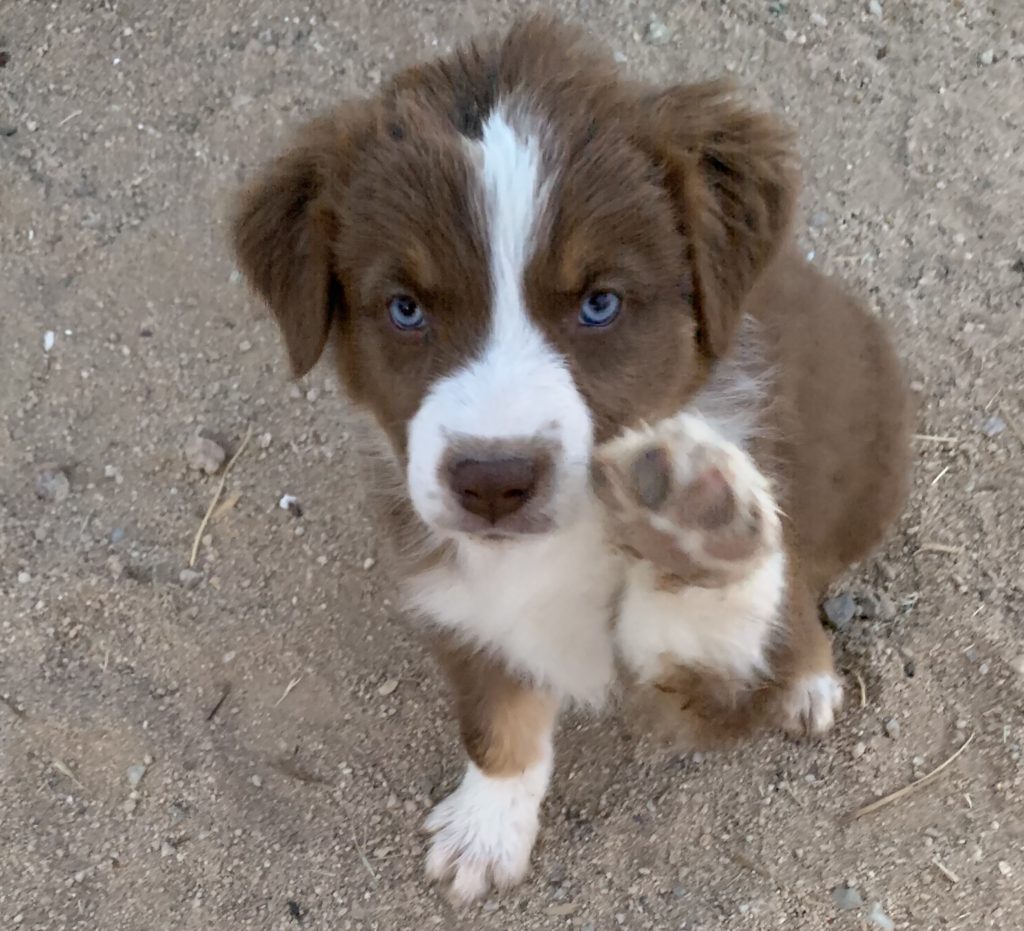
x,y
502,718
679,199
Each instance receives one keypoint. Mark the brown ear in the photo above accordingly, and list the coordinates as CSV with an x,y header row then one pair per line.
x,y
283,230
731,174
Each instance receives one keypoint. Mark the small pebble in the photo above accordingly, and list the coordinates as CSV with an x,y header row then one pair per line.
x,y
244,346
166,850
387,687
256,780
128,806
204,454
847,898
858,750
265,440
657,33
892,729
879,918
987,57
290,504
993,426
135,773
875,8
1005,868
1017,664
369,563
819,218
840,610
49,339
52,483
117,535
818,20
190,578
885,609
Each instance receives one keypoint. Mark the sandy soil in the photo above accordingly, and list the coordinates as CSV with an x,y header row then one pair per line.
x,y
293,801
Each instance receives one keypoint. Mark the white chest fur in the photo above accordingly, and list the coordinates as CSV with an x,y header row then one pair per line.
x,y
545,605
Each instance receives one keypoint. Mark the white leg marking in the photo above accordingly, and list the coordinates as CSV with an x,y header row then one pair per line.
x,y
812,702
484,831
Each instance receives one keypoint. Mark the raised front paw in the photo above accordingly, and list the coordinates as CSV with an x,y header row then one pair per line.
x,y
689,501
484,831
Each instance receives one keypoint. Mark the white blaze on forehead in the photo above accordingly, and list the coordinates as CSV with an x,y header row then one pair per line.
x,y
514,201
518,386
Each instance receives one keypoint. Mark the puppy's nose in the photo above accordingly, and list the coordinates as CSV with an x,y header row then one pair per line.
x,y
494,488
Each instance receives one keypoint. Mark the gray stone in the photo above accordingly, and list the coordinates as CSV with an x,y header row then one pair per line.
x,y
879,918
847,898
657,33
52,483
135,772
993,426
840,610
892,729
204,454
190,578
884,607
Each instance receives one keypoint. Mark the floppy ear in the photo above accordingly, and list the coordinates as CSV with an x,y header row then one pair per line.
x,y
283,230
730,172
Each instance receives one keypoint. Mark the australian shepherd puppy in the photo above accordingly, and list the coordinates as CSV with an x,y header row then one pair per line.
x,y
626,436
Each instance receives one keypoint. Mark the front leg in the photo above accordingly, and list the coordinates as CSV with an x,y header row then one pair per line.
x,y
484,831
729,611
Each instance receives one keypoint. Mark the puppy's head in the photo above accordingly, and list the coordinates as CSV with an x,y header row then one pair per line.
x,y
516,253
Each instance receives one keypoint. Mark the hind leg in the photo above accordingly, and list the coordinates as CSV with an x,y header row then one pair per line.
x,y
811,693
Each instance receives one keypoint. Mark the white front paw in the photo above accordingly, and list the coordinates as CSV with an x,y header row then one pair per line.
x,y
484,831
811,703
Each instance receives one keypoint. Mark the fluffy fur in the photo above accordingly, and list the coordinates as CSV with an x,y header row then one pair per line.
x,y
494,194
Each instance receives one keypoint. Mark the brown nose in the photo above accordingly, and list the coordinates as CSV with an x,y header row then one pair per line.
x,y
494,488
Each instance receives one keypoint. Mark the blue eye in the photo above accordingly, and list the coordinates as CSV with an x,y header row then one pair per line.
x,y
405,313
599,308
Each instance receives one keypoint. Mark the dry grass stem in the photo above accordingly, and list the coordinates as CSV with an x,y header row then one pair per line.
x,y
288,690
912,787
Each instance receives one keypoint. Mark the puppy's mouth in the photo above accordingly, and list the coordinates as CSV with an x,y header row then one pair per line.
x,y
518,527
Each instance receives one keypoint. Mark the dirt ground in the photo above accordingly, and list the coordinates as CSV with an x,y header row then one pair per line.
x,y
255,745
